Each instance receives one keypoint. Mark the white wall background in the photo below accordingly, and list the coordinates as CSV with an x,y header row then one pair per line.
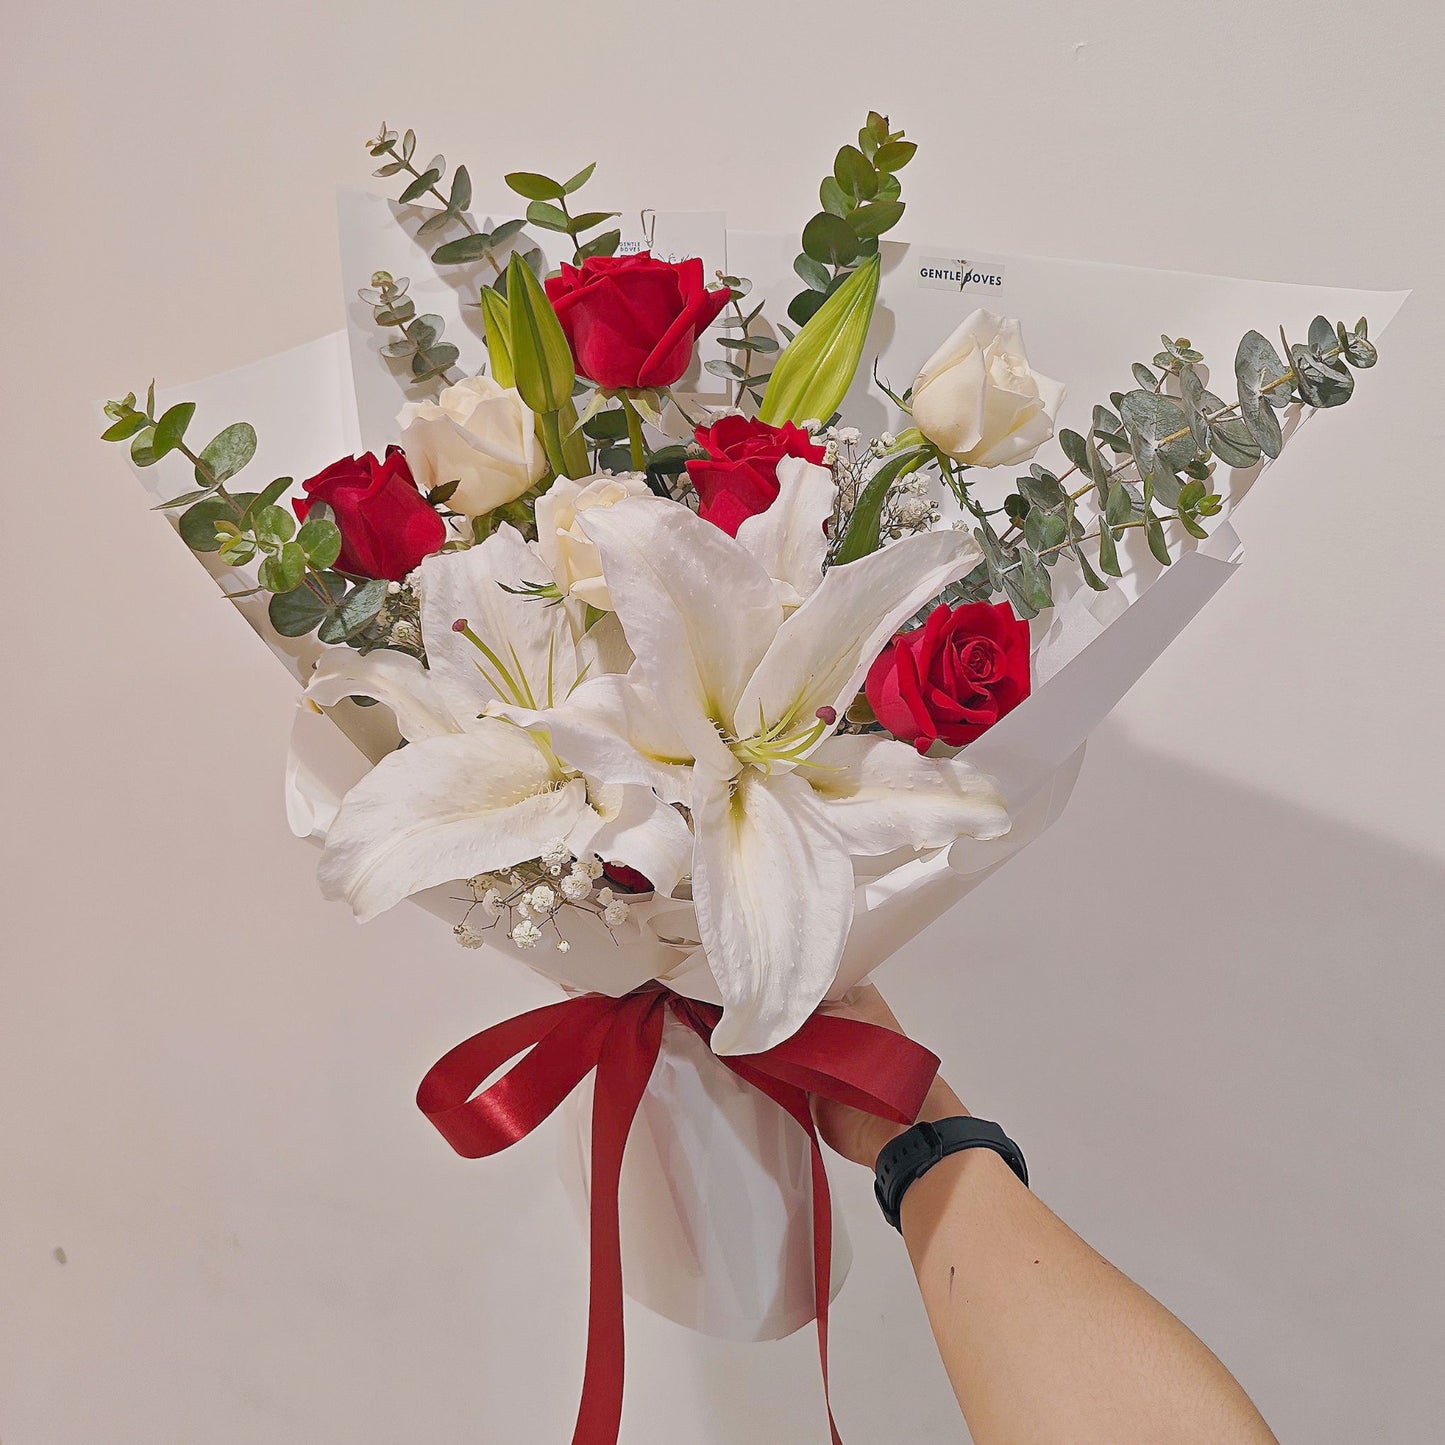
x,y
1208,1002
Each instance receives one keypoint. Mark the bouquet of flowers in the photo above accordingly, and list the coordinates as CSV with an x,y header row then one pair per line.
x,y
633,653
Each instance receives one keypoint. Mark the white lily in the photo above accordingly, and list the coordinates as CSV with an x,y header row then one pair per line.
x,y
730,710
473,792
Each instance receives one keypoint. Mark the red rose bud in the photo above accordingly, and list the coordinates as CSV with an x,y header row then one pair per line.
x,y
387,526
739,477
633,321
952,678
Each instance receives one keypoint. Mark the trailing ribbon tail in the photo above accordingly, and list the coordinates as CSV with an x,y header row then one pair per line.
x,y
855,1063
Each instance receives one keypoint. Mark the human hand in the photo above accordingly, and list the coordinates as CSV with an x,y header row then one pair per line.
x,y
857,1135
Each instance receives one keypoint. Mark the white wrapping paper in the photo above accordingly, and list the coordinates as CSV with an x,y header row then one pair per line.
x,y
716,1207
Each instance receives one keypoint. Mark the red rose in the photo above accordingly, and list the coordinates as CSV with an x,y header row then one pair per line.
x,y
387,526
740,477
632,321
954,677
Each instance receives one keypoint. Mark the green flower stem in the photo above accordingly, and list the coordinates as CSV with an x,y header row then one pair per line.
x,y
553,443
635,439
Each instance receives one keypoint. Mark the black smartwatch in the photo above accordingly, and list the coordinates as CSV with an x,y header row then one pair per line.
x,y
914,1152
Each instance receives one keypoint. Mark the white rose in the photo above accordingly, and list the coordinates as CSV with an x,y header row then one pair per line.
x,y
977,399
478,434
569,553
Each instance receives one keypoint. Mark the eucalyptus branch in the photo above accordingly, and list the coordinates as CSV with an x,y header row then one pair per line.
x,y
475,245
547,208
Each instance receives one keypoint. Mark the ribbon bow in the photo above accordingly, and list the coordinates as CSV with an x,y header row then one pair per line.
x,y
860,1064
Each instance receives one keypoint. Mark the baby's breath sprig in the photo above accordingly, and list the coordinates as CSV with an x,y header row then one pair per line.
x,y
528,901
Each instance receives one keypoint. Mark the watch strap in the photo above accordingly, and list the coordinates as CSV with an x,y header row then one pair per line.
x,y
915,1151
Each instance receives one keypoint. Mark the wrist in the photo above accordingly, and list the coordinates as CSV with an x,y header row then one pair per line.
x,y
941,1103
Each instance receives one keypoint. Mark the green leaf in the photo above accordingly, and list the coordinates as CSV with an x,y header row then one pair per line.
x,y
299,611
541,357
812,273
875,218
1120,506
1158,543
1044,531
464,248
461,192
1257,366
1156,418
184,500
124,429
227,452
588,220
805,305
536,187
1109,553
862,536
320,539
830,240
271,523
855,172
420,186
499,336
604,245
284,571
832,198
1229,439
895,155
580,179
171,428
354,614
142,447
1034,581
197,526
263,499
548,216
812,376
1263,424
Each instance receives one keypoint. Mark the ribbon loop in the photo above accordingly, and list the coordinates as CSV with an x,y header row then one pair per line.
x,y
855,1063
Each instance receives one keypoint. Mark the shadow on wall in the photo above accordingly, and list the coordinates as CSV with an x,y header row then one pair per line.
x,y
1213,1020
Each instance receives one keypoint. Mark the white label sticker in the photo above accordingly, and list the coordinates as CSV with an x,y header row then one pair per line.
x,y
952,273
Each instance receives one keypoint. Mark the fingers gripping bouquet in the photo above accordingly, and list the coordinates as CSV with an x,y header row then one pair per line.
x,y
704,704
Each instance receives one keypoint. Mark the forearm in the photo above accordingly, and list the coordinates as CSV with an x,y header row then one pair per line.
x,y
1045,1342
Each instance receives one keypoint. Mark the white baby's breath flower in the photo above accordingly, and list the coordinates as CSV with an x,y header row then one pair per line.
x,y
848,435
605,896
491,902
557,853
576,886
542,898
563,946
592,867
467,936
888,441
614,914
526,934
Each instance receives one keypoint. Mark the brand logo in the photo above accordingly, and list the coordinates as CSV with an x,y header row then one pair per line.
x,y
948,273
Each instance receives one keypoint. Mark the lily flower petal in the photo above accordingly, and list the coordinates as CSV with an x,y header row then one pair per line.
x,y
773,886
790,538
698,610
394,679
614,730
634,826
443,809
881,795
528,657
821,654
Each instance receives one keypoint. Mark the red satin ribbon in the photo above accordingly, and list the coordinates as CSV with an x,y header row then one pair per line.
x,y
860,1064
